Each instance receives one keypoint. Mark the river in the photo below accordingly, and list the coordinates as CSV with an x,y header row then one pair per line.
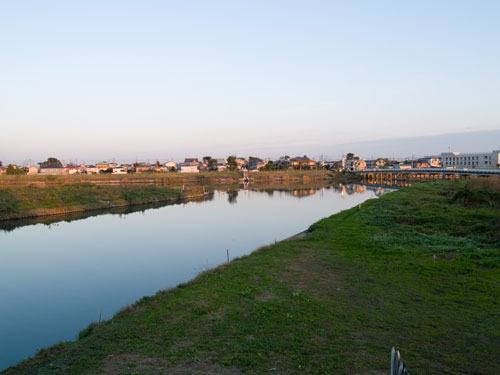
x,y
58,274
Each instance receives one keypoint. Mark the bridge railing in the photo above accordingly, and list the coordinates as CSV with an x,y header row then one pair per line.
x,y
471,171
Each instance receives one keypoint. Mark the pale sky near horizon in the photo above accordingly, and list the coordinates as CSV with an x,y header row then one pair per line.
x,y
168,79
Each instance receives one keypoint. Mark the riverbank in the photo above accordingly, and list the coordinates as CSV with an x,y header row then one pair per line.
x,y
28,201
24,197
418,269
174,179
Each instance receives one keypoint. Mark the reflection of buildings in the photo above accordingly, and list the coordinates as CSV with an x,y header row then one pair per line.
x,y
306,191
302,192
350,189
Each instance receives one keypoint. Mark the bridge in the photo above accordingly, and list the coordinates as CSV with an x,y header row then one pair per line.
x,y
388,175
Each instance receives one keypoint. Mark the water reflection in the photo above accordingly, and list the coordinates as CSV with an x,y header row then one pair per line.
x,y
295,190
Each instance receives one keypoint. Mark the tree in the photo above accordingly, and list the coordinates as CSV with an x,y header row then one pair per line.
x,y
269,166
231,163
173,169
212,165
14,170
206,159
349,156
157,163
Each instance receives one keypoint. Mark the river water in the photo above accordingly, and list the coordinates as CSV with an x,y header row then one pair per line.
x,y
56,276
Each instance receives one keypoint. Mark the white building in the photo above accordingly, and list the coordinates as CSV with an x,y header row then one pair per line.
x,y
170,164
119,170
92,169
32,170
473,160
189,168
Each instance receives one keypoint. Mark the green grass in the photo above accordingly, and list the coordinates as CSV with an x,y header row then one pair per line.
x,y
32,200
417,269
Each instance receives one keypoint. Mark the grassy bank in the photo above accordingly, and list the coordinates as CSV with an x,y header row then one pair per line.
x,y
167,178
32,196
418,268
34,204
23,201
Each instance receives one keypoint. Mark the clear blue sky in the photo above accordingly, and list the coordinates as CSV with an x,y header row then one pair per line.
x,y
160,79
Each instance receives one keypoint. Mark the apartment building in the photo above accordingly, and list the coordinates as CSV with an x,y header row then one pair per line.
x,y
471,160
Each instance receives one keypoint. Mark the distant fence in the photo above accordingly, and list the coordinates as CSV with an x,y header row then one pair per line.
x,y
397,365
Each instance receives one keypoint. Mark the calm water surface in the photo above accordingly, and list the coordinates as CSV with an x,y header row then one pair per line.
x,y
55,278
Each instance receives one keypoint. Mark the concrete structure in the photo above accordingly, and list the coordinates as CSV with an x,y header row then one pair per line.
x,y
471,160
189,168
52,171
52,167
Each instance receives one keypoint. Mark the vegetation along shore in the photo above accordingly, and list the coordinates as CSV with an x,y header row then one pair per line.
x,y
418,268
33,196
25,201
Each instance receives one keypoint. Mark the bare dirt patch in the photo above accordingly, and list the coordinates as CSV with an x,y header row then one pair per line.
x,y
266,296
311,273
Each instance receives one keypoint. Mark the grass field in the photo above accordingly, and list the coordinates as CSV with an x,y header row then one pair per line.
x,y
418,269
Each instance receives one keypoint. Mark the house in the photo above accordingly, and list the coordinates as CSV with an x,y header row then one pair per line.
x,y
354,164
92,169
142,168
103,165
241,162
433,162
32,170
120,170
72,169
254,164
221,165
377,163
283,162
52,167
302,162
192,160
189,167
335,165
169,165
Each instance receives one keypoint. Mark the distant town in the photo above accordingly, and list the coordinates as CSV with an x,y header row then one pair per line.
x,y
347,163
